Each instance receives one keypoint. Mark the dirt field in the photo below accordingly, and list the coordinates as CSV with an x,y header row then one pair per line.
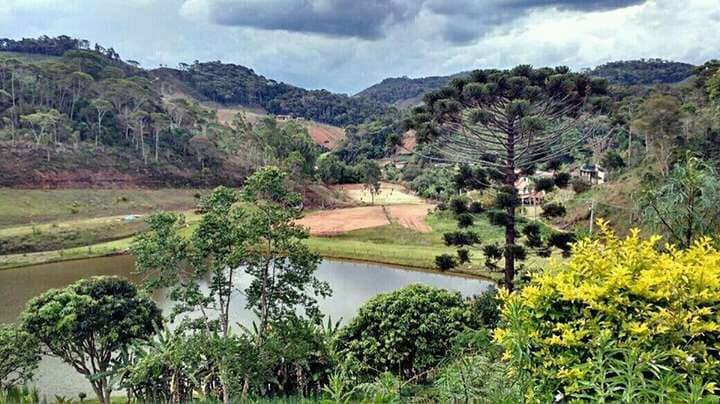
x,y
337,221
410,216
325,135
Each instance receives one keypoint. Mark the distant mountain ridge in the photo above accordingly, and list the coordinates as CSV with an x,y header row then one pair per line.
x,y
406,92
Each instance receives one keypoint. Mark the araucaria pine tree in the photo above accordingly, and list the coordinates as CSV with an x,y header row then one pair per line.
x,y
507,121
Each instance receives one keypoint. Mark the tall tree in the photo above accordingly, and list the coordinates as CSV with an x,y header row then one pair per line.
x,y
160,123
684,205
659,120
370,173
251,231
41,123
90,323
101,107
506,121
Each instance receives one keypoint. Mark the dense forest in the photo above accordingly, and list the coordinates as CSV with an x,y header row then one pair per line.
x,y
56,46
238,85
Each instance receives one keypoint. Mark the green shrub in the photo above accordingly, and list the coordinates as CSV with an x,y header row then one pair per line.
x,y
445,262
461,238
475,207
497,217
621,321
459,205
544,184
476,378
406,332
19,356
579,185
551,210
463,256
465,220
486,308
562,180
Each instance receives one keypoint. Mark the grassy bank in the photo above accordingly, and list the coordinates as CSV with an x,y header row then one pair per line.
x,y
99,249
36,206
389,244
394,244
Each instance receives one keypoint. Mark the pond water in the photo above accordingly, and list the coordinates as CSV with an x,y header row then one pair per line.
x,y
353,284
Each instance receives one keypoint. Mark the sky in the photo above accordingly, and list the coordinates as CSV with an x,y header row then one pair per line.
x,y
348,45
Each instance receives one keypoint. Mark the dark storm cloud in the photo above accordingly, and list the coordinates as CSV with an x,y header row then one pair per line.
x,y
343,18
462,20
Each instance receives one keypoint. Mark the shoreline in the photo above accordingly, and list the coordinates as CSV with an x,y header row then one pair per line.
x,y
75,254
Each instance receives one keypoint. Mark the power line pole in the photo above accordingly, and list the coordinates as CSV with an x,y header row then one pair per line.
x,y
592,215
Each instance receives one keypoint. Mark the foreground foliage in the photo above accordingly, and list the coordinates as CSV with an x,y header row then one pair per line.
x,y
406,332
620,321
19,355
89,323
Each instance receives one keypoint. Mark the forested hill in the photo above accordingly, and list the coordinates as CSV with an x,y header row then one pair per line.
x,y
401,91
643,72
72,115
227,83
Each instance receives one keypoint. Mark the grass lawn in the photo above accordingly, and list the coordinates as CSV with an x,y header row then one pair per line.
x,y
98,230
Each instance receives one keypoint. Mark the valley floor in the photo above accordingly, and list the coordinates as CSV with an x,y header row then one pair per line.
x,y
401,230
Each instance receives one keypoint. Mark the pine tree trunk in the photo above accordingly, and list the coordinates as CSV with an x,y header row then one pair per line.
x,y
510,211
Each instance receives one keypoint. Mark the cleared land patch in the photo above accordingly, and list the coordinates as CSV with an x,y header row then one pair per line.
x,y
390,194
322,134
410,216
338,221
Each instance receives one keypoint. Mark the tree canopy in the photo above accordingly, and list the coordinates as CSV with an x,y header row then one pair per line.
x,y
89,323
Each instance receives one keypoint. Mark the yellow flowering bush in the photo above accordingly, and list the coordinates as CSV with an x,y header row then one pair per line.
x,y
619,313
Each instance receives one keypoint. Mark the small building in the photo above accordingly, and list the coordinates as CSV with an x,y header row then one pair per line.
x,y
526,191
592,173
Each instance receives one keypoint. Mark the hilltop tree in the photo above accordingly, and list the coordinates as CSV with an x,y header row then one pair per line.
x,y
507,121
90,323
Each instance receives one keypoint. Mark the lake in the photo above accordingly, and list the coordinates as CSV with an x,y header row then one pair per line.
x,y
353,284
